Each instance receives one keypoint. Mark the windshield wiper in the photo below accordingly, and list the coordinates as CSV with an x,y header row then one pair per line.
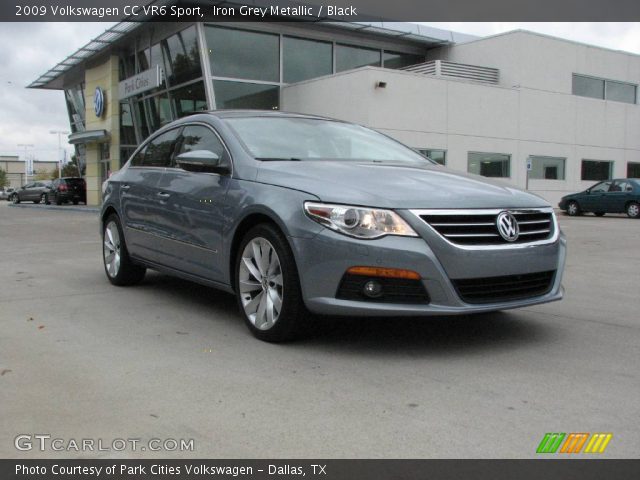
x,y
276,159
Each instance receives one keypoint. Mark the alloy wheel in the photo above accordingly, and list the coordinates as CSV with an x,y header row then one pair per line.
x,y
111,249
633,210
572,208
261,283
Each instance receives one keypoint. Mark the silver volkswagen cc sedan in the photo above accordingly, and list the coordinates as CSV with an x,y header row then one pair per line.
x,y
297,214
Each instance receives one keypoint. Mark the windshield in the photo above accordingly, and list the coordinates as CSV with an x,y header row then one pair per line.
x,y
290,138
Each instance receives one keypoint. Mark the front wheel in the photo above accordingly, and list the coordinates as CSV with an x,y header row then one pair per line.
x,y
15,198
599,214
40,200
573,209
46,200
633,210
118,266
268,287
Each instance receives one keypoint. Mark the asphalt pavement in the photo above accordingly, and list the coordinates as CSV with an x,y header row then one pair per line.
x,y
168,359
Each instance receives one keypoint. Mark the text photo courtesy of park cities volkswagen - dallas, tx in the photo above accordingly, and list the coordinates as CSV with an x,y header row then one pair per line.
x,y
274,239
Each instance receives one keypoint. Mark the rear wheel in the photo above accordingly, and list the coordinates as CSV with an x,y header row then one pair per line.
x,y
58,200
75,202
633,210
46,200
268,287
118,266
573,208
40,200
599,214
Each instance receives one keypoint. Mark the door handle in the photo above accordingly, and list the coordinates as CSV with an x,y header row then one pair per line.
x,y
125,187
163,194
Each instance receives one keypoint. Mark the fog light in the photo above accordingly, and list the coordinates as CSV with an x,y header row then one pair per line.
x,y
372,289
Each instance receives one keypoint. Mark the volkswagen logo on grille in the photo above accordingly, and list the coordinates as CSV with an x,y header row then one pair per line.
x,y
508,226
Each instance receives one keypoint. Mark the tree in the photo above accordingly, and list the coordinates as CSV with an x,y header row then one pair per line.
x,y
4,179
71,169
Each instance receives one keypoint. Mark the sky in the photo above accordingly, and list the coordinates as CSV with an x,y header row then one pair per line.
x,y
28,115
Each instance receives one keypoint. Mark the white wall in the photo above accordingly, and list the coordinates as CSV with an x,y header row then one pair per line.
x,y
461,116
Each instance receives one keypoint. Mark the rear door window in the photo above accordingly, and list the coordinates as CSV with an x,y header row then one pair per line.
x,y
159,151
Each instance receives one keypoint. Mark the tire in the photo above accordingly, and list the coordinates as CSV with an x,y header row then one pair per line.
x,y
257,298
573,209
75,202
118,267
15,198
40,200
58,200
599,214
46,200
633,210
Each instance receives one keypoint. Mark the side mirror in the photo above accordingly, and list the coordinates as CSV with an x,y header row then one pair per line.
x,y
200,161
588,191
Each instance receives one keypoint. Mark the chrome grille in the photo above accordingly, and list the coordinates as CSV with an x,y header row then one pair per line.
x,y
479,228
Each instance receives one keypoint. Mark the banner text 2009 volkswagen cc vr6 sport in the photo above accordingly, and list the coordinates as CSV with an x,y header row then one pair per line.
x,y
297,213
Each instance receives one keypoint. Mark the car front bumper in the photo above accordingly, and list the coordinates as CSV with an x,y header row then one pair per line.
x,y
323,260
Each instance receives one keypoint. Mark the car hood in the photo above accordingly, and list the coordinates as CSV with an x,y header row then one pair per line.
x,y
391,185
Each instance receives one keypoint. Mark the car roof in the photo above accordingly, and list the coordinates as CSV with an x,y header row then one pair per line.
x,y
262,113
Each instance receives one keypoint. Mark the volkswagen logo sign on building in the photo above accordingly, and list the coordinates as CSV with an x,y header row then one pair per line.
x,y
508,226
98,102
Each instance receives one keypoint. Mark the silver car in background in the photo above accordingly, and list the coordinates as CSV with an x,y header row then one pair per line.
x,y
297,214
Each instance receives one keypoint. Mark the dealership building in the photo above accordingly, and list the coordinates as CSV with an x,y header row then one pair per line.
x,y
543,113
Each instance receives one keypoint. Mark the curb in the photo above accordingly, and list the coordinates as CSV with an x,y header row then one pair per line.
x,y
56,207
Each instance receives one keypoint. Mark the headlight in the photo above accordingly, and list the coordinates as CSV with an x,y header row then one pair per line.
x,y
359,222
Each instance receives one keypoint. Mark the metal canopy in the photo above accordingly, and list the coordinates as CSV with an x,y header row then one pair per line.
x,y
88,136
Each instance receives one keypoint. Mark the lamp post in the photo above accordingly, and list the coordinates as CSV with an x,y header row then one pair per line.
x,y
59,132
26,162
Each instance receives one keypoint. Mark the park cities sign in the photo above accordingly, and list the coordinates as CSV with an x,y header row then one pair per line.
x,y
141,82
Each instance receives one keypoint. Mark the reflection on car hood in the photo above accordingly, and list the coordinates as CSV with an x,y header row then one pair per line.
x,y
392,185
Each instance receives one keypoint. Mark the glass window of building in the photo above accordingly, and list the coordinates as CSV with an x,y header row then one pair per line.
x,y
243,54
188,99
400,60
547,168
75,107
633,170
585,86
588,86
489,164
596,170
349,57
149,58
181,57
126,66
438,156
127,131
198,137
620,92
153,113
242,95
304,59
158,152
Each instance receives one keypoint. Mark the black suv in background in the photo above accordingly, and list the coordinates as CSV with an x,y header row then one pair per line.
x,y
35,192
67,189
